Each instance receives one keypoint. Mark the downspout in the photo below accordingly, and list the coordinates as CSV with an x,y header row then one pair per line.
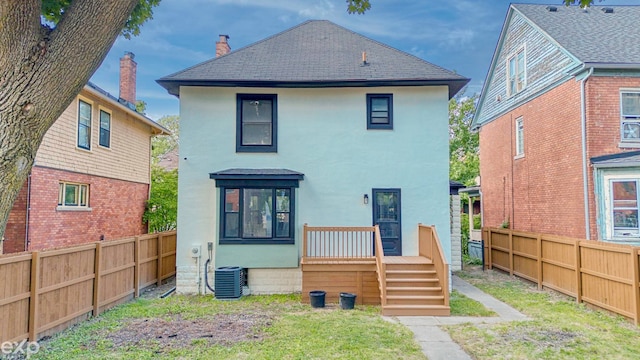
x,y
26,222
585,185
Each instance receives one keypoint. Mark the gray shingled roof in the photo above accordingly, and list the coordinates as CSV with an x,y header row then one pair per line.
x,y
591,35
253,174
316,53
623,159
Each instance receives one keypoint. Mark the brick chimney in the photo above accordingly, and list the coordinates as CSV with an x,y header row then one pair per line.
x,y
222,46
128,77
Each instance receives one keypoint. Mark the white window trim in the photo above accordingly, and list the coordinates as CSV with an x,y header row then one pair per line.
x,y
62,207
522,49
607,200
77,118
634,143
519,138
101,108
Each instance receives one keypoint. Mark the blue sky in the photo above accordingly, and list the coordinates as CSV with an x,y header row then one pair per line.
x,y
459,35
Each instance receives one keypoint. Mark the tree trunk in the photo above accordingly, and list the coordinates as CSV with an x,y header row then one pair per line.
x,y
41,72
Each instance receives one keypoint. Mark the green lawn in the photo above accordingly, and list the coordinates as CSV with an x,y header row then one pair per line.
x,y
254,327
560,329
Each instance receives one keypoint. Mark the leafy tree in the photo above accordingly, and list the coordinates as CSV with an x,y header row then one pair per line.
x,y
48,51
358,6
582,3
464,145
161,211
161,145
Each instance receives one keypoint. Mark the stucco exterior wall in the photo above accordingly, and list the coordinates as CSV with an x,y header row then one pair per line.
x,y
127,158
323,134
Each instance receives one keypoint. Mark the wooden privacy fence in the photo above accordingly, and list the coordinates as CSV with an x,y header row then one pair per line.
x,y
598,273
47,291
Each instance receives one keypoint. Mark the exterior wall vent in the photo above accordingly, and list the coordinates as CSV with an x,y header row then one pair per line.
x,y
552,8
228,282
607,10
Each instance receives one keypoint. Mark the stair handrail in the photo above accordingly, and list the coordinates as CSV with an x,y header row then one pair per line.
x,y
381,267
430,247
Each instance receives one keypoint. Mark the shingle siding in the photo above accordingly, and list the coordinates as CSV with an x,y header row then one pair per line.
x,y
546,64
127,158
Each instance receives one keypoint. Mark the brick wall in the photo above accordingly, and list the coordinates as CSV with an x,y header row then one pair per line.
x,y
15,232
542,191
456,238
116,211
275,281
260,281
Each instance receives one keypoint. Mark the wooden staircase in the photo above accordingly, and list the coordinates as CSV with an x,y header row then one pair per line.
x,y
412,287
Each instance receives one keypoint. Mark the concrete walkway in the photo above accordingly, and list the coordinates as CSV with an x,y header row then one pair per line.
x,y
436,343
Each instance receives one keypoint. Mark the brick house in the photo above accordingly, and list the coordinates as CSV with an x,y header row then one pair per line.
x,y
559,122
91,175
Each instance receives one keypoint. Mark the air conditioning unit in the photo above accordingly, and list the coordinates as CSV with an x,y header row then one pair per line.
x,y
228,282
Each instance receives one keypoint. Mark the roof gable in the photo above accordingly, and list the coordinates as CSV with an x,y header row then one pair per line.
x,y
591,35
316,53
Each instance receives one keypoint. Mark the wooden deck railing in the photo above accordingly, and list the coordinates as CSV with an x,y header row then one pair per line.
x,y
338,243
381,267
430,247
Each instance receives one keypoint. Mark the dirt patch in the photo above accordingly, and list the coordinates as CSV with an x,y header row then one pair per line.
x,y
176,332
541,338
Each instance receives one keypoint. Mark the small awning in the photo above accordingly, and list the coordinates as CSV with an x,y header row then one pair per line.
x,y
454,186
248,177
472,191
623,159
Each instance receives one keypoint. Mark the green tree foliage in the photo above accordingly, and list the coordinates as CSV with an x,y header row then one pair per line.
x,y
582,3
161,211
464,144
53,10
358,6
161,145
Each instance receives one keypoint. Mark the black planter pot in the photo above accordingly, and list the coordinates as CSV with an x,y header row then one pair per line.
x,y
316,298
347,301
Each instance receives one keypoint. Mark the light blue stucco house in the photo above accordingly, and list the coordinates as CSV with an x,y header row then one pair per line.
x,y
315,125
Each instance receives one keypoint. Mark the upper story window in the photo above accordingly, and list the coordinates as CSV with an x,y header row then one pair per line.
x,y
256,123
519,137
380,111
73,196
105,129
630,116
516,72
84,125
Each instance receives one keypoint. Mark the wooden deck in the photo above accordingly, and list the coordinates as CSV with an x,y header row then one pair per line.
x,y
402,285
406,260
